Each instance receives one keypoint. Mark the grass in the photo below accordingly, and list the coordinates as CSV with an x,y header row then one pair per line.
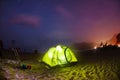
x,y
93,65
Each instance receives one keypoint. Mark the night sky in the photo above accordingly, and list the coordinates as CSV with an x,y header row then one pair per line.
x,y
39,24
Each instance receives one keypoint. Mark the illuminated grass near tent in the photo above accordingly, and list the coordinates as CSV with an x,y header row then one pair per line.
x,y
99,71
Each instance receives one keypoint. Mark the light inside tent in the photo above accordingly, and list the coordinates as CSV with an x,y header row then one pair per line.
x,y
58,48
59,55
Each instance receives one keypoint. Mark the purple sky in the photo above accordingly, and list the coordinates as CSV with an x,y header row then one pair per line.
x,y
39,24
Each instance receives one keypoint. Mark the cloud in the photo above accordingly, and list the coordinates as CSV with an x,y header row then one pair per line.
x,y
60,34
26,20
63,12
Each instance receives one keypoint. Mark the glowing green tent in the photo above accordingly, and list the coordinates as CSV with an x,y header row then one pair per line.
x,y
59,55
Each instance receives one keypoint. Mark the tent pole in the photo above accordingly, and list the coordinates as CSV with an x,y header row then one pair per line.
x,y
65,55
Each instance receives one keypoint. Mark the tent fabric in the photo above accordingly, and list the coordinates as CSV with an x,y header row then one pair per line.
x,y
59,55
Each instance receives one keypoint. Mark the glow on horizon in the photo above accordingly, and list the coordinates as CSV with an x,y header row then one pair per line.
x,y
119,45
95,47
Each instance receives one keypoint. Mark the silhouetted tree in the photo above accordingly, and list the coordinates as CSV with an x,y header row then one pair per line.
x,y
101,44
118,38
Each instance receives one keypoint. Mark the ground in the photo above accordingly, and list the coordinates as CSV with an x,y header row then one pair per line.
x,y
102,69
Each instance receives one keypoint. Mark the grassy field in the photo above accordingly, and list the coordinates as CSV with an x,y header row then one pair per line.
x,y
93,65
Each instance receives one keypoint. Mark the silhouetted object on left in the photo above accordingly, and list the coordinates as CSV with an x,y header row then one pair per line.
x,y
1,44
1,48
16,53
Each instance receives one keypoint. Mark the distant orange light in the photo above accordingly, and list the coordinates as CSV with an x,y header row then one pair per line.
x,y
119,45
95,47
